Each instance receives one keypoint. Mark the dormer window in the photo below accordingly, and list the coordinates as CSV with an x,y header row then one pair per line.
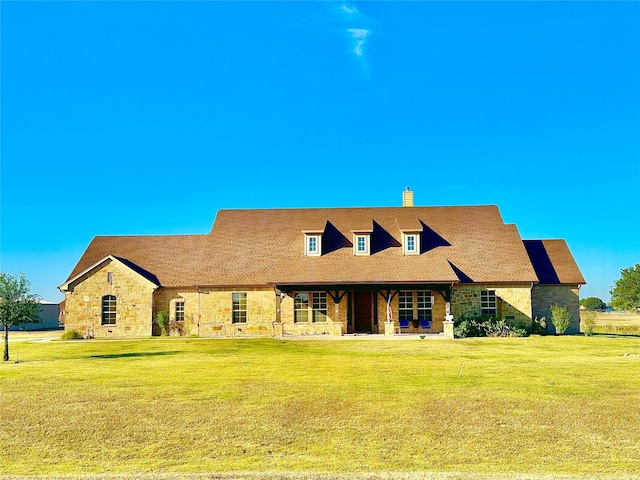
x,y
362,238
313,244
361,244
410,243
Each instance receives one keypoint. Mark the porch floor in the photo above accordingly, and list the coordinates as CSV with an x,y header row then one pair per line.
x,y
368,336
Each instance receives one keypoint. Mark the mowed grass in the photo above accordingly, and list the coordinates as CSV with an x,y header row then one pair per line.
x,y
533,406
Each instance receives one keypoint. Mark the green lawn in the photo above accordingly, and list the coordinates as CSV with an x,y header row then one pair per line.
x,y
542,407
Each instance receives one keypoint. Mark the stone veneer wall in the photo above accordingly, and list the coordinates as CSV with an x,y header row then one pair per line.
x,y
134,297
438,311
208,312
164,299
335,325
512,300
543,296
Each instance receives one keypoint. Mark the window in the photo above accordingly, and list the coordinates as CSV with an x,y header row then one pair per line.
x,y
411,243
361,244
319,306
405,305
239,307
312,245
108,310
179,311
488,303
301,307
425,303
421,300
109,278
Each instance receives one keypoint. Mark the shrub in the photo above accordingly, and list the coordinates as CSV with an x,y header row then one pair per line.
x,y
589,322
560,318
487,327
177,328
538,326
162,319
72,335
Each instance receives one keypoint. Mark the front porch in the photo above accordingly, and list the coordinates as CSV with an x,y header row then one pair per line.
x,y
388,310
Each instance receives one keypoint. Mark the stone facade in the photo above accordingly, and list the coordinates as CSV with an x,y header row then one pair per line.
x,y
513,301
336,319
133,293
543,296
208,312
438,311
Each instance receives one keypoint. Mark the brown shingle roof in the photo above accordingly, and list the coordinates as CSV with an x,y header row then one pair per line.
x,y
259,247
553,262
170,259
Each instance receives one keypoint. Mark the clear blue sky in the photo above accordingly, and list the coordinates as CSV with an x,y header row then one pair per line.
x,y
148,117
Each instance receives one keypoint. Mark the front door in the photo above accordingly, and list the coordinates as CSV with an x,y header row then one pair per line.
x,y
363,320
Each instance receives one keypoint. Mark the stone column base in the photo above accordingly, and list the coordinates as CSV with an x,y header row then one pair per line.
x,y
448,326
389,329
278,330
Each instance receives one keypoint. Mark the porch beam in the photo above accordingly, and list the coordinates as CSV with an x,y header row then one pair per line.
x,y
346,287
336,296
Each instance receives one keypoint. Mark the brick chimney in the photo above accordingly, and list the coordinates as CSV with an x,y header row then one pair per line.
x,y
407,198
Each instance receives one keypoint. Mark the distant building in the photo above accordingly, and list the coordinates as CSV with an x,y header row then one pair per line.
x,y
49,315
322,271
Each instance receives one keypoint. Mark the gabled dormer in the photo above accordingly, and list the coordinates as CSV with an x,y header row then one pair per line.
x,y
411,232
313,242
362,240
410,243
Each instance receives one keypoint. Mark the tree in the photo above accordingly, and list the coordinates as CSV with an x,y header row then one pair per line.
x,y
626,292
592,303
17,305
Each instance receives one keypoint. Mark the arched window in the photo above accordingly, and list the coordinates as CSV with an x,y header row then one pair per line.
x,y
108,310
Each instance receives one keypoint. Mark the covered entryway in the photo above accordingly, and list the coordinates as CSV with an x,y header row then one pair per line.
x,y
356,308
362,312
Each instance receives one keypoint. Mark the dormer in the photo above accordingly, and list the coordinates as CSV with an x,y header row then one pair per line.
x,y
362,240
410,231
313,242
410,243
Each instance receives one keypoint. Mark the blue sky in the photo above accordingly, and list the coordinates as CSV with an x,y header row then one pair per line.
x,y
148,117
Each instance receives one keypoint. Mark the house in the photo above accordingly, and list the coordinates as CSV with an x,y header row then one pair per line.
x,y
331,271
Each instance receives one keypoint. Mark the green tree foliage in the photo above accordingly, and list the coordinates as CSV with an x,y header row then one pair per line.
x,y
626,292
17,305
560,318
592,303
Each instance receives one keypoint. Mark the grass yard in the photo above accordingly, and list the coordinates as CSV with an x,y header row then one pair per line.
x,y
540,407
